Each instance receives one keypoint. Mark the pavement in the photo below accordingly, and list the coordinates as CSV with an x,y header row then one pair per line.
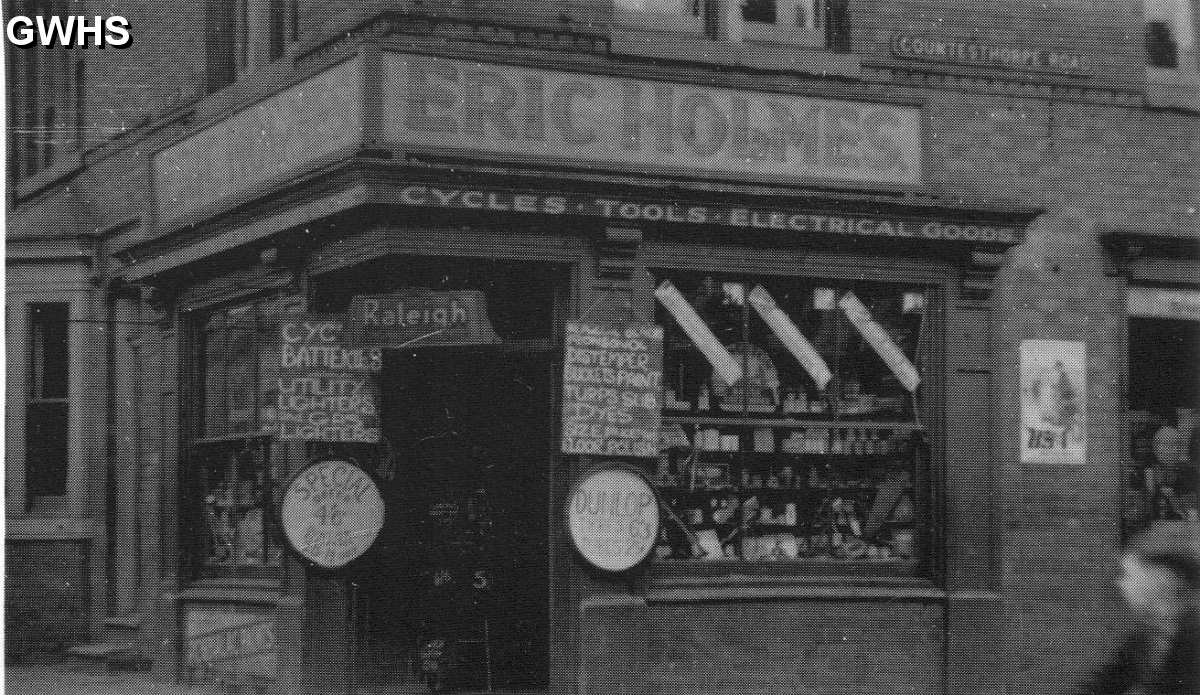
x,y
71,679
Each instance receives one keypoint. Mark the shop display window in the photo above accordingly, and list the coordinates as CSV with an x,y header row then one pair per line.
x,y
1164,427
234,475
239,490
234,357
815,451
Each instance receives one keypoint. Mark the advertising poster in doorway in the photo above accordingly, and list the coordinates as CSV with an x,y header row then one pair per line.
x,y
1053,402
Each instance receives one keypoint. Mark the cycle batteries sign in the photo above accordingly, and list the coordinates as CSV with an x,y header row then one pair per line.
x,y
612,516
331,512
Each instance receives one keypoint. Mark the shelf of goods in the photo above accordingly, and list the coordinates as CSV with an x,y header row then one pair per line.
x,y
782,488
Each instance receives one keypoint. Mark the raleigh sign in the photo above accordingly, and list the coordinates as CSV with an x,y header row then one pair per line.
x,y
420,317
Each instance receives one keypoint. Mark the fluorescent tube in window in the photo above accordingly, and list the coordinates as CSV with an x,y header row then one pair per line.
x,y
790,335
880,341
723,363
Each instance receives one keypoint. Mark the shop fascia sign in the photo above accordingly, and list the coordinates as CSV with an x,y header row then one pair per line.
x,y
1153,302
665,211
506,110
934,50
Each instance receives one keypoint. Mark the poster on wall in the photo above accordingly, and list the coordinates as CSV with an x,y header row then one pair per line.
x,y
331,512
1053,402
324,391
612,515
612,382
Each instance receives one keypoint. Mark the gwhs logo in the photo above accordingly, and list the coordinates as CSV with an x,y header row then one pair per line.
x,y
71,31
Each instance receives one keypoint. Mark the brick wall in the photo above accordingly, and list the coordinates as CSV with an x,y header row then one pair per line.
x,y
45,592
763,648
1061,524
163,66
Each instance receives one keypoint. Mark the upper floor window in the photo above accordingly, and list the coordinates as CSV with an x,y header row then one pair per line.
x,y
820,23
246,34
47,408
1171,35
44,97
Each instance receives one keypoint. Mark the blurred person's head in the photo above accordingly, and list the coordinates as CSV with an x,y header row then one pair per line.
x,y
1161,570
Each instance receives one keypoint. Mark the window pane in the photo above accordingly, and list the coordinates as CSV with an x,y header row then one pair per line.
x,y
759,11
772,466
238,494
46,449
51,350
1161,50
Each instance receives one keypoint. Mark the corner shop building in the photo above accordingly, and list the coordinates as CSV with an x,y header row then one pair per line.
x,y
369,178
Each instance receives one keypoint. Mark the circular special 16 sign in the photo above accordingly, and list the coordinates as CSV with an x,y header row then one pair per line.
x,y
331,512
612,516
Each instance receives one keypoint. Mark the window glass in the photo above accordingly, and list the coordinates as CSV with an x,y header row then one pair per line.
x,y
800,21
235,475
238,492
809,449
1170,34
43,98
47,412
800,14
1164,395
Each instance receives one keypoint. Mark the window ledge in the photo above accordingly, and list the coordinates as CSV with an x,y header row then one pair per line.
x,y
1178,89
36,527
780,57
738,581
255,591
735,588
63,168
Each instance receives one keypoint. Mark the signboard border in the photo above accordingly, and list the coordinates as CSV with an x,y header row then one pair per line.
x,y
278,510
584,476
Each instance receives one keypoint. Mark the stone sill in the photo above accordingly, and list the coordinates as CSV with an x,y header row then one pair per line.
x,y
1173,89
49,528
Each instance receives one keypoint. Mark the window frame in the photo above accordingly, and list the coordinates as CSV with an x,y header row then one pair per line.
x,y
1181,22
780,32
36,399
670,580
244,36
723,21
48,101
19,342
202,446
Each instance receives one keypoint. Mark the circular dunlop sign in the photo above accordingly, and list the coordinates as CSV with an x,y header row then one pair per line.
x,y
612,516
331,512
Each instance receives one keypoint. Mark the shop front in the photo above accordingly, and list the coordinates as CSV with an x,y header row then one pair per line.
x,y
1163,313
797,377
